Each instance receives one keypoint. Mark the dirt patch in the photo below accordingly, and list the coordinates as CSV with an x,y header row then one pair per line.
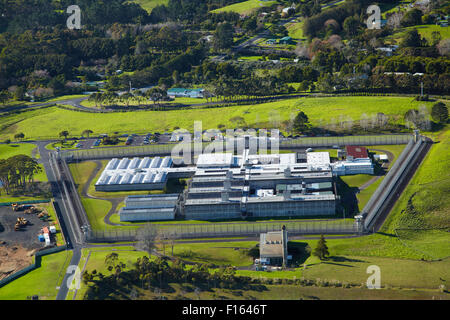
x,y
13,258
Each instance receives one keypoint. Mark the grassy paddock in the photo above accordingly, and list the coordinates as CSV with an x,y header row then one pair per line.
x,y
50,121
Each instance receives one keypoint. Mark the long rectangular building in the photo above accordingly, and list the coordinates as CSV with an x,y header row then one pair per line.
x,y
149,208
135,174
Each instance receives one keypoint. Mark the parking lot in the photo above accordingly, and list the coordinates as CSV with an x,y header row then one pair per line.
x,y
137,140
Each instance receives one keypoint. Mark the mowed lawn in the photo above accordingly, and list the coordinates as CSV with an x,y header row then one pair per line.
x,y
245,7
50,121
41,281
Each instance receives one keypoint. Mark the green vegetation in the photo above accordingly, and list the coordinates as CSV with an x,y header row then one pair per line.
x,y
13,149
41,281
296,30
25,190
425,31
394,272
320,111
150,4
421,215
220,253
245,7
96,211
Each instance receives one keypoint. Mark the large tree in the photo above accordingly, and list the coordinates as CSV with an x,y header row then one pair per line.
x,y
411,39
146,238
301,123
64,134
321,250
439,112
223,37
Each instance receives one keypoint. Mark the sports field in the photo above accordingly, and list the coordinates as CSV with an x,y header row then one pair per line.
x,y
327,110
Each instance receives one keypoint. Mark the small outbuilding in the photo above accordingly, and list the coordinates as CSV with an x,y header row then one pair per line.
x,y
273,247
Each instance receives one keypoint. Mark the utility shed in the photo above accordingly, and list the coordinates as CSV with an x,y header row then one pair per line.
x,y
273,247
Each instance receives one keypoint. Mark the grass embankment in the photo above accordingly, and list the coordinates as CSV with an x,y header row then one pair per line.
x,y
421,217
321,111
41,281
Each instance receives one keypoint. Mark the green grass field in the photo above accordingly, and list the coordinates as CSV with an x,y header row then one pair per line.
x,y
96,210
50,121
296,30
94,259
245,7
220,253
13,149
186,101
424,206
150,4
425,31
41,281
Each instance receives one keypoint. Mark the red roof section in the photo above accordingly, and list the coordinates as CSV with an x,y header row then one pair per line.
x,y
356,152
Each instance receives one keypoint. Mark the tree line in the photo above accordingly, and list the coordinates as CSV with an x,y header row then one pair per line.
x,y
17,172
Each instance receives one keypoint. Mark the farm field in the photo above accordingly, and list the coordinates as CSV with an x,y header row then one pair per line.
x,y
50,121
41,281
245,7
